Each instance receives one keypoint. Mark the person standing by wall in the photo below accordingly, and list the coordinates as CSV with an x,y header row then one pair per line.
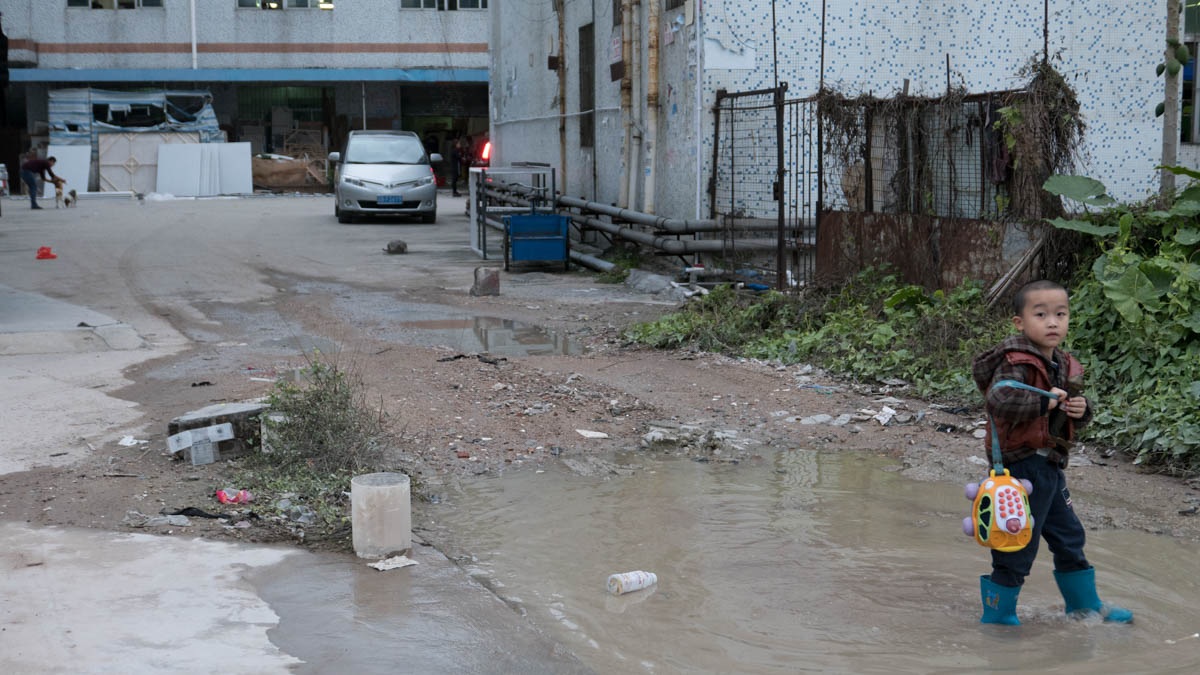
x,y
31,170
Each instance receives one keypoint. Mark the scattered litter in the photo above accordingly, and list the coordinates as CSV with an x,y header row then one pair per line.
x,y
975,459
1190,511
44,253
395,562
58,454
820,388
231,496
885,416
138,519
241,525
946,428
889,400
979,433
904,418
841,421
130,441
591,434
1078,460
84,324
463,454
817,419
396,247
202,383
121,475
620,584
895,382
194,513
262,379
302,515
780,413
482,357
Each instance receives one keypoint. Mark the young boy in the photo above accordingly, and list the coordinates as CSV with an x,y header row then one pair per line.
x,y
1035,436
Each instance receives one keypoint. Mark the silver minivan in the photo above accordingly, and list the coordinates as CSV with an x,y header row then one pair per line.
x,y
384,173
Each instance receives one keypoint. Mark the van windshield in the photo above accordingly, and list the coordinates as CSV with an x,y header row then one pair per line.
x,y
385,150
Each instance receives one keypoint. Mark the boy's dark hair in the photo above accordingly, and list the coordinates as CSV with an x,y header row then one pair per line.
x,y
51,159
1018,301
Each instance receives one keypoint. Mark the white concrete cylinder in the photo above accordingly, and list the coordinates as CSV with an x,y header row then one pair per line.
x,y
381,514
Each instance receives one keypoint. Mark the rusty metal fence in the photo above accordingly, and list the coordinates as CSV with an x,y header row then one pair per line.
x,y
764,183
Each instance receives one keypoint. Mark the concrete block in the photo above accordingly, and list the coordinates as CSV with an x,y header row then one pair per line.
x,y
243,416
396,246
487,282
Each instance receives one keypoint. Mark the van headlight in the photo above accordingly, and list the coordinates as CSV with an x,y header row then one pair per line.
x,y
353,181
428,180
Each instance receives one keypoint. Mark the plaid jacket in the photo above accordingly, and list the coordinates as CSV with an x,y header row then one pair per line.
x,y
1023,419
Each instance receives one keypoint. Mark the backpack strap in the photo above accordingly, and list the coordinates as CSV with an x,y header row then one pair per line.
x,y
997,456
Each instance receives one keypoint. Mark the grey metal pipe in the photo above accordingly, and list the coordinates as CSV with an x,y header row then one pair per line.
x,y
676,246
672,225
592,261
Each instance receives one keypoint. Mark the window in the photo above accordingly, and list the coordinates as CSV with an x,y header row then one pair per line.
x,y
617,17
444,5
114,4
587,85
385,149
673,4
261,4
1187,102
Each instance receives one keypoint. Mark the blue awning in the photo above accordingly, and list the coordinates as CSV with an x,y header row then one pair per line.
x,y
477,75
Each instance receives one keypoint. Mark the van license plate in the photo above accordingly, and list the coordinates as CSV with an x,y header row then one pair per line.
x,y
391,199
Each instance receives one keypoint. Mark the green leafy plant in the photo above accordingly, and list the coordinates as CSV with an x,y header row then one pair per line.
x,y
1136,322
874,328
322,432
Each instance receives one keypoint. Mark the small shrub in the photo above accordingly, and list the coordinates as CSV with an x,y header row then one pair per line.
x,y
330,432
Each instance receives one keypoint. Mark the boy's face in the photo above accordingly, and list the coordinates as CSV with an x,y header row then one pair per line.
x,y
1045,318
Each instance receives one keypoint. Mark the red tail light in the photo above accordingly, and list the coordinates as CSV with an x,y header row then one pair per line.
x,y
487,150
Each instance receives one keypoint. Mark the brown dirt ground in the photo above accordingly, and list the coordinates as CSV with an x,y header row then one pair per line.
x,y
528,410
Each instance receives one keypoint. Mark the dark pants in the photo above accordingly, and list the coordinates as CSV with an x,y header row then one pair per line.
x,y
30,179
1053,518
454,174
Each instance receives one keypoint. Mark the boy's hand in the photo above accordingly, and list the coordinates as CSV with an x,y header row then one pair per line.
x,y
1075,407
1055,402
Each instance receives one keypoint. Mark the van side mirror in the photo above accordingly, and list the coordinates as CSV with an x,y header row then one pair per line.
x,y
335,156
435,158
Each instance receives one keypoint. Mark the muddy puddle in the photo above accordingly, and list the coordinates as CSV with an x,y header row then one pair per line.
x,y
499,337
801,561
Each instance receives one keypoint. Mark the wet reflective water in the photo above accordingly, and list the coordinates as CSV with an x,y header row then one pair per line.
x,y
801,561
500,337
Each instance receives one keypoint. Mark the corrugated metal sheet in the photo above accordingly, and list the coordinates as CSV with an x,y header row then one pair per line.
x,y
72,121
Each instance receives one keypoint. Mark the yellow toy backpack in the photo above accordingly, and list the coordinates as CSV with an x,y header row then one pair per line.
x,y
1000,518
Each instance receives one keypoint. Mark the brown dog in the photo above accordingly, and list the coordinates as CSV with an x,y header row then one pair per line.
x,y
58,192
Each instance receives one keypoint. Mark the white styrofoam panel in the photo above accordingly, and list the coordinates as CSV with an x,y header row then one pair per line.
x,y
178,169
236,176
72,163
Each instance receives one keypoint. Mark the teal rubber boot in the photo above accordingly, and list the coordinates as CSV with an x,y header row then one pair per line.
x,y
1079,591
999,602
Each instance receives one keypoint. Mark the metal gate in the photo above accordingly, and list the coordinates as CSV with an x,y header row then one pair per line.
x,y
764,181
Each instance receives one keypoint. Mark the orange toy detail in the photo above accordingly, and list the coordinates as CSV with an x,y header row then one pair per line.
x,y
1000,514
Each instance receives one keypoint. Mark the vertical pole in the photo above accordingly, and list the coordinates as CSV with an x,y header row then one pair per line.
x,y
1046,32
774,45
194,60
947,74
1170,134
820,138
712,181
364,103
780,260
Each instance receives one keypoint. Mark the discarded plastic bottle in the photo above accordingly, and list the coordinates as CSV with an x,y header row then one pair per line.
x,y
619,584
